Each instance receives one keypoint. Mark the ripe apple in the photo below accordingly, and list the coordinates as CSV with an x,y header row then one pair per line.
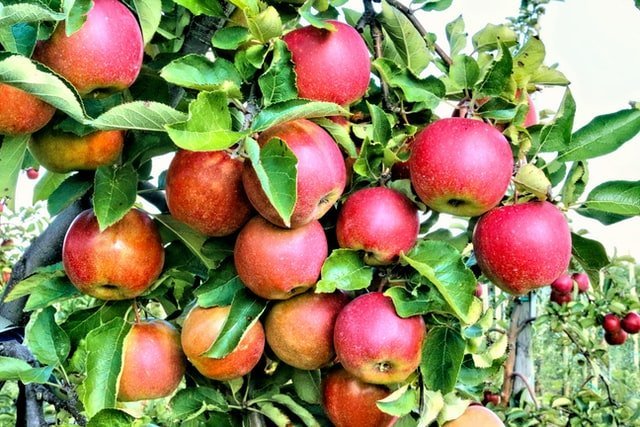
x,y
611,323
349,402
63,152
321,175
153,363
460,166
380,221
120,262
200,330
204,190
375,344
331,66
532,116
615,338
479,290
561,298
6,275
563,284
300,330
21,112
582,279
476,416
278,263
32,173
631,323
522,247
490,397
104,54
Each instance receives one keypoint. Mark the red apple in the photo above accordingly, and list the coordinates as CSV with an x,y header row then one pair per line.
x,y
380,221
476,416
278,263
478,292
460,166
582,279
120,262
561,298
331,66
153,363
563,284
21,112
490,397
615,338
611,323
349,402
6,275
631,323
522,247
202,327
204,190
104,54
532,117
300,330
375,344
32,173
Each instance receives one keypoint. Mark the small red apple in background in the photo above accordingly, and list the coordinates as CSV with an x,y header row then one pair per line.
x,y
21,112
278,263
522,247
479,290
120,262
582,279
321,177
380,221
611,323
532,116
375,344
460,166
202,327
152,363
563,284
631,323
349,402
490,397
615,338
204,190
561,298
6,275
331,66
32,173
300,330
476,416
104,54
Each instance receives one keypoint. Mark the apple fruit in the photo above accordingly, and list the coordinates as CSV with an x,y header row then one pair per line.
x,y
532,116
105,54
561,298
582,279
490,397
6,275
201,328
460,166
611,323
380,221
21,112
152,364
204,190
478,291
63,152
631,323
563,284
118,263
523,246
300,329
349,402
615,338
375,344
476,416
278,263
321,176
331,66
32,173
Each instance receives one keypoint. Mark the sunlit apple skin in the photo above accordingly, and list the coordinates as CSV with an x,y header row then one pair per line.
x,y
63,152
153,364
563,284
321,175
522,247
331,66
118,263
300,330
582,279
476,416
375,344
21,112
349,402
380,221
532,116
200,330
278,263
460,166
105,54
204,190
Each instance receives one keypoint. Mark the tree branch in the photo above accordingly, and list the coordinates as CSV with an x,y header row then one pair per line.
x,y
529,388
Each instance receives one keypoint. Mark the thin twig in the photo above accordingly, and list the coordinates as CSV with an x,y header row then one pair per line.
x,y
529,388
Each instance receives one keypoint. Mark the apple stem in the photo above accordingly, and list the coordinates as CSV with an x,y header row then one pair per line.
x,y
136,311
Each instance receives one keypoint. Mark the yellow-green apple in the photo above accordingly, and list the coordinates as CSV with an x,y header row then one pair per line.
x,y
522,247
278,263
380,221
120,262
582,279
331,66
375,344
476,416
460,166
63,152
321,174
200,330
631,323
300,329
349,402
204,190
21,112
105,54
152,362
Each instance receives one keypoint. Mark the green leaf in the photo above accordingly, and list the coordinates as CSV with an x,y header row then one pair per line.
x,y
11,14
266,25
12,152
139,115
381,124
193,240
76,14
344,269
602,135
149,14
115,193
419,301
71,189
429,90
111,418
401,402
497,75
527,61
294,109
300,411
278,83
221,287
81,322
276,167
197,72
615,197
192,401
44,288
443,266
274,414
442,356
456,36
433,405
19,38
306,13
438,5
12,369
575,183
369,161
340,134
230,38
547,76
464,71
47,184
203,7
591,254
556,136
307,385
493,36
47,341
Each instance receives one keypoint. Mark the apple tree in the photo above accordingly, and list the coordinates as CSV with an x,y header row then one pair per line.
x,y
257,206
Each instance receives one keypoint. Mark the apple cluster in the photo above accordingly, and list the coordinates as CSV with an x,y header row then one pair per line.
x,y
616,330
562,288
